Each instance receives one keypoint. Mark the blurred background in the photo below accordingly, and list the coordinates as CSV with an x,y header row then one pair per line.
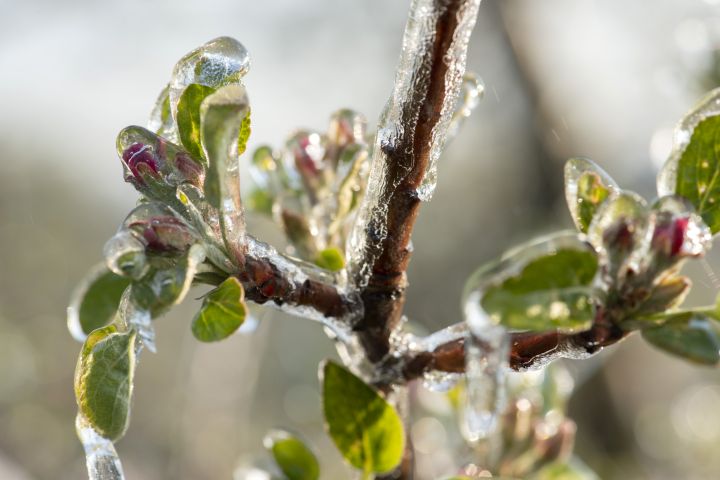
x,y
603,79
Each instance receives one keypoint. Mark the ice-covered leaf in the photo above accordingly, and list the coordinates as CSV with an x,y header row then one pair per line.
x,y
692,336
693,168
95,301
125,255
104,379
167,283
550,292
331,259
366,429
294,458
188,118
219,62
222,312
222,115
587,186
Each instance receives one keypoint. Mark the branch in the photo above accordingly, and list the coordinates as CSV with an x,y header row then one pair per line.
x,y
301,288
528,350
409,139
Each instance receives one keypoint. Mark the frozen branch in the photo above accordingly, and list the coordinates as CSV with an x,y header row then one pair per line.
x,y
410,137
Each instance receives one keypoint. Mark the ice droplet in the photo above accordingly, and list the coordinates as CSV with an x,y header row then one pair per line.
x,y
125,255
102,460
707,107
219,62
586,187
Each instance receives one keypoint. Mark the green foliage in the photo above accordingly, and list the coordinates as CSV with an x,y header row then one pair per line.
x,y
698,171
331,259
188,117
292,456
96,302
551,292
690,335
222,312
104,378
366,429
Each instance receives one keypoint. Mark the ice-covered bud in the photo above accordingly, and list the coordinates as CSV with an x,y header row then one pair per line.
x,y
305,156
164,234
140,159
678,231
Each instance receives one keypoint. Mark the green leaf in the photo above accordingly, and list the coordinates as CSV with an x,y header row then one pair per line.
x,y
104,379
222,312
293,457
690,335
331,259
698,171
188,117
95,301
366,429
551,292
167,283
261,201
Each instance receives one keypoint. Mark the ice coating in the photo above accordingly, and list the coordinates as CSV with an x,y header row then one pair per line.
x,y
455,61
219,62
678,230
584,178
102,460
397,125
435,380
161,120
707,107
125,255
222,114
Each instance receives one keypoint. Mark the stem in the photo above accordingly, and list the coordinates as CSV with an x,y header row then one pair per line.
x,y
409,139
528,350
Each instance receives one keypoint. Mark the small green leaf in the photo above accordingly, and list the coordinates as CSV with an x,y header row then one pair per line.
x,y
689,335
366,429
551,292
331,259
222,312
188,117
293,457
698,171
104,379
95,302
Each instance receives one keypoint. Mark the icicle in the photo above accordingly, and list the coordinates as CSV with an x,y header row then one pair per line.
x,y
102,460
486,354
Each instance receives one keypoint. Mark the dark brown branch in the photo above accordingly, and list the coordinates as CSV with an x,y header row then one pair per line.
x,y
274,278
527,350
427,82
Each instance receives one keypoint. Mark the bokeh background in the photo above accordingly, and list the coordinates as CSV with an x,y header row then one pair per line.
x,y
603,79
